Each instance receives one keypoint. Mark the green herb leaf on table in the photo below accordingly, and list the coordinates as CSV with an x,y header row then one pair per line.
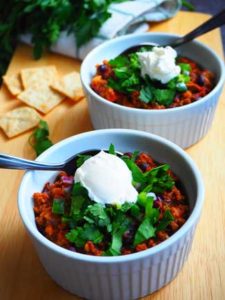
x,y
39,139
188,5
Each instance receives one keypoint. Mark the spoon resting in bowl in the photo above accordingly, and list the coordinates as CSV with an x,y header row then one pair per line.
x,y
214,22
69,165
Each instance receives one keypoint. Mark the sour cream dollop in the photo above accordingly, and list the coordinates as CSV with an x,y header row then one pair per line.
x,y
107,179
159,64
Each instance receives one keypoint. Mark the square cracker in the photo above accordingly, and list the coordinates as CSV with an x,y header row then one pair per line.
x,y
43,99
13,83
19,120
37,77
70,86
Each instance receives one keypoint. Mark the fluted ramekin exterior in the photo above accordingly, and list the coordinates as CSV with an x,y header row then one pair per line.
x,y
184,128
183,125
122,277
124,280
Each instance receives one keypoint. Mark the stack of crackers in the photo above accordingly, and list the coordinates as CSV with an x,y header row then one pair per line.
x,y
41,89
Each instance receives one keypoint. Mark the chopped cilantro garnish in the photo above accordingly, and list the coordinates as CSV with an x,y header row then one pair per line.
x,y
146,94
164,96
58,206
156,180
136,172
184,67
108,226
119,62
81,159
39,139
127,78
98,214
165,221
112,149
120,224
80,235
145,231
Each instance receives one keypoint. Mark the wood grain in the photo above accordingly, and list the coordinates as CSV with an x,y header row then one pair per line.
x,y
21,275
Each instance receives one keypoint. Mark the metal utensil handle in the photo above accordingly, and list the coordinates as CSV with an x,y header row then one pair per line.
x,y
11,162
215,21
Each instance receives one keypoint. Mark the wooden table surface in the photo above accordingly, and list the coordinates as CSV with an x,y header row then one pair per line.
x,y
22,277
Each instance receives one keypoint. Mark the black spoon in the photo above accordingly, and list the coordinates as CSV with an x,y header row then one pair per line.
x,y
214,22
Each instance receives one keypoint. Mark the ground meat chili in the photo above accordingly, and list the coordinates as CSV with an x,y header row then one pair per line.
x,y
123,85
90,228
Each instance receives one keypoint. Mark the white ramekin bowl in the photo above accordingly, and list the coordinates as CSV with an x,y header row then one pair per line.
x,y
123,277
183,125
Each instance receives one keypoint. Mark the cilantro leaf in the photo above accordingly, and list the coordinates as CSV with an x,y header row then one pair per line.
x,y
119,62
115,248
45,20
158,180
81,159
165,221
188,5
98,214
120,224
144,232
164,96
131,82
185,67
80,235
146,94
112,149
39,139
134,61
76,207
79,201
147,203
58,206
122,72
126,73
136,172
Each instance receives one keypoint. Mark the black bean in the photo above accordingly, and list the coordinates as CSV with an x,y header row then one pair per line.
x,y
102,69
143,166
201,79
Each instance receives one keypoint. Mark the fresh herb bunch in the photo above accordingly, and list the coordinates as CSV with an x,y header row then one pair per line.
x,y
90,221
45,19
127,79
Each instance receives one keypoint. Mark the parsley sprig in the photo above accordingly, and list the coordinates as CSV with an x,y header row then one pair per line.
x,y
45,20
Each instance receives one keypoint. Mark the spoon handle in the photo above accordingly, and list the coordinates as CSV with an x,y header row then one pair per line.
x,y
11,162
215,21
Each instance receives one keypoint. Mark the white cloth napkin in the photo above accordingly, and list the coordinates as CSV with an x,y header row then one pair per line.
x,y
126,17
